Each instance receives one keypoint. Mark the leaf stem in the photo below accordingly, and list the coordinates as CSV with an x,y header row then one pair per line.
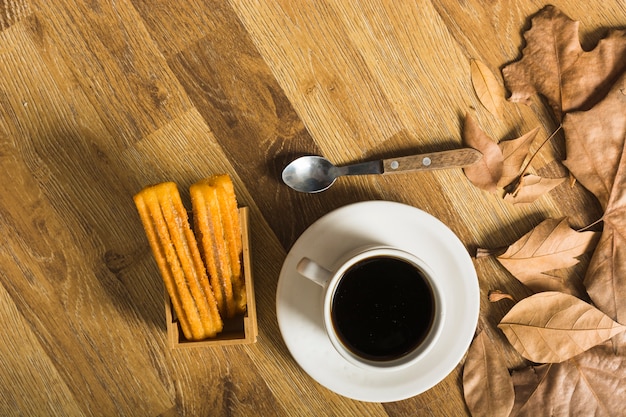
x,y
541,146
514,186
591,225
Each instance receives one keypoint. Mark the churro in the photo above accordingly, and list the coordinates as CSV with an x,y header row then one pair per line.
x,y
232,234
217,226
177,255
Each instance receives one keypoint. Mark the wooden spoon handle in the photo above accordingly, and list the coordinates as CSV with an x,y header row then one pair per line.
x,y
430,161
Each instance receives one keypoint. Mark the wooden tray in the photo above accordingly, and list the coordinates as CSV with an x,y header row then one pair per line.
x,y
238,330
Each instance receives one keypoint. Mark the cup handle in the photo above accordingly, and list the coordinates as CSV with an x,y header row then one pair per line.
x,y
310,269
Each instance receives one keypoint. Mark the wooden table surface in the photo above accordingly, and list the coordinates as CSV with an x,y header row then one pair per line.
x,y
98,99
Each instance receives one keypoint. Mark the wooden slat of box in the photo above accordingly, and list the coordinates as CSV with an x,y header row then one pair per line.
x,y
238,330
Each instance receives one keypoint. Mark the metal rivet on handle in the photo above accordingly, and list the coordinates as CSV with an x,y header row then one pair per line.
x,y
395,164
426,161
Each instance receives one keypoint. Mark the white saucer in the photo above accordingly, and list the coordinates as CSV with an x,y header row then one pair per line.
x,y
299,308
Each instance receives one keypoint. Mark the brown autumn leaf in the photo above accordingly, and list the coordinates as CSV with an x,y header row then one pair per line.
x,y
514,152
501,163
605,279
618,343
487,87
486,173
550,245
555,66
590,384
552,327
531,187
487,384
595,143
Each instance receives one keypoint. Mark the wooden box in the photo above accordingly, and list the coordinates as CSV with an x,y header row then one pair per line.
x,y
238,330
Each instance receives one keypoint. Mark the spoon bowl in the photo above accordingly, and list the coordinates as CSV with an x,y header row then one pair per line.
x,y
310,174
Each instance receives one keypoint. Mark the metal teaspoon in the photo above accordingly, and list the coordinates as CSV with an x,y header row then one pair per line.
x,y
312,174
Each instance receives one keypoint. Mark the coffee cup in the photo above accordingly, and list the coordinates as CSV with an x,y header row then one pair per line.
x,y
382,307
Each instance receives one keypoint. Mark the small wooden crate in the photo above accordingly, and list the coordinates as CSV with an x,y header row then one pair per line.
x,y
238,330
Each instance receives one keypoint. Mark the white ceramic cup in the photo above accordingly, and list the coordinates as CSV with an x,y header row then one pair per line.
x,y
331,279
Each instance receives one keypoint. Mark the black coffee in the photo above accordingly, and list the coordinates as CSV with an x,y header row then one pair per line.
x,y
383,308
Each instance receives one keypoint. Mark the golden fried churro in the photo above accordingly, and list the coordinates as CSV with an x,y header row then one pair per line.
x,y
217,225
208,228
232,233
176,252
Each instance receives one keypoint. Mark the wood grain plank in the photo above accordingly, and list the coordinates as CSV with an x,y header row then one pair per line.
x,y
113,59
310,54
27,368
70,317
175,26
12,11
59,214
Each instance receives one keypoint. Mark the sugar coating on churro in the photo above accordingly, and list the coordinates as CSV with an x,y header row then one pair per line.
x,y
177,255
232,235
217,225
208,228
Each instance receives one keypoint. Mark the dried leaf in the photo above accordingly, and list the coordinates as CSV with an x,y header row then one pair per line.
x,y
531,187
605,279
514,152
618,344
487,385
488,89
555,65
552,327
486,173
595,142
549,246
590,384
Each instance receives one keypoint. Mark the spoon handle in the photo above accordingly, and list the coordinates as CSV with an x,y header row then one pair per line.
x,y
456,158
